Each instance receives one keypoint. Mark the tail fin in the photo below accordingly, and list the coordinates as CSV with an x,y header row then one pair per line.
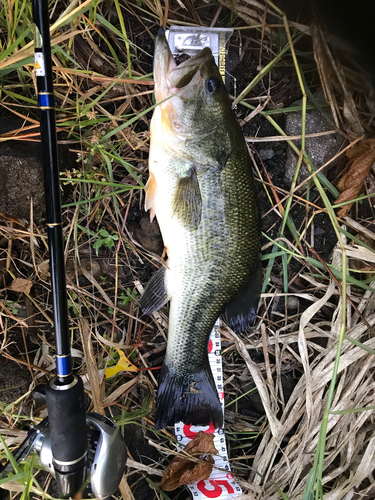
x,y
192,399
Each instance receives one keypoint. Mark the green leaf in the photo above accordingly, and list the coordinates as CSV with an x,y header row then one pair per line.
x,y
97,245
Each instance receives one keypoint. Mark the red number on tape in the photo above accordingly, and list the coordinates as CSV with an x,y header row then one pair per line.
x,y
191,434
210,346
217,484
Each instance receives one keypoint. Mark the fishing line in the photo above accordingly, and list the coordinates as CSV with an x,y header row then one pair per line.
x,y
234,79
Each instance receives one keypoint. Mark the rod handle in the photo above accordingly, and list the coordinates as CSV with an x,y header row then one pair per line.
x,y
67,421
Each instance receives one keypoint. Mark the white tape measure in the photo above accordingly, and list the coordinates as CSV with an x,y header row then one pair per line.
x,y
220,484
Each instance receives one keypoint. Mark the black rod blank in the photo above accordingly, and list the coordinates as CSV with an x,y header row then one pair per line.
x,y
46,101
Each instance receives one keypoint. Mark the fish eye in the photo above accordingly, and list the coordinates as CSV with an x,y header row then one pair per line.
x,y
213,83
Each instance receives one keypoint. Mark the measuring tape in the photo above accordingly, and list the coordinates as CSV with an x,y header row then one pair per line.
x,y
192,39
220,484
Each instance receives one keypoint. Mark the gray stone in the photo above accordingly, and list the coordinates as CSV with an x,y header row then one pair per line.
x,y
266,154
21,180
318,231
148,234
21,172
14,380
320,149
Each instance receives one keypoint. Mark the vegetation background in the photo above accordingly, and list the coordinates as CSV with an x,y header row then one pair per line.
x,y
300,384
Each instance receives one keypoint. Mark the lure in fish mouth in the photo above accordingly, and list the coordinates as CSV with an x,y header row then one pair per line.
x,y
201,190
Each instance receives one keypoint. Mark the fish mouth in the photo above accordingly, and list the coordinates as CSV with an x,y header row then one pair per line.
x,y
170,78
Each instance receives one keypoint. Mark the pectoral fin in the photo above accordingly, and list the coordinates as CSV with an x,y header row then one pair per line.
x,y
155,295
187,200
240,313
150,190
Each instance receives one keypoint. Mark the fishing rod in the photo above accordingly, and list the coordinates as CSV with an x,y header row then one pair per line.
x,y
64,394
85,452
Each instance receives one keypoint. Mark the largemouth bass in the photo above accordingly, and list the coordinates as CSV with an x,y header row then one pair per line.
x,y
201,190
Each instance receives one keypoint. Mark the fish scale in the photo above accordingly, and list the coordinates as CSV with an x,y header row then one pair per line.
x,y
210,264
201,189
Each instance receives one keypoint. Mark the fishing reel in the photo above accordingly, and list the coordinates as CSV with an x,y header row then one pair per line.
x,y
106,454
98,473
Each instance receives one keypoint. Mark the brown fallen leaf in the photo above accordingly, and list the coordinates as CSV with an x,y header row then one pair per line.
x,y
21,285
361,158
181,470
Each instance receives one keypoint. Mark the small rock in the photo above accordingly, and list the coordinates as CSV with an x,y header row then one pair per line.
x,y
21,172
148,234
318,231
14,381
293,304
266,154
320,149
21,179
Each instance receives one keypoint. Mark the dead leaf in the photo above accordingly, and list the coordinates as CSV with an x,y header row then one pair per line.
x,y
361,158
123,364
21,285
181,470
43,270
